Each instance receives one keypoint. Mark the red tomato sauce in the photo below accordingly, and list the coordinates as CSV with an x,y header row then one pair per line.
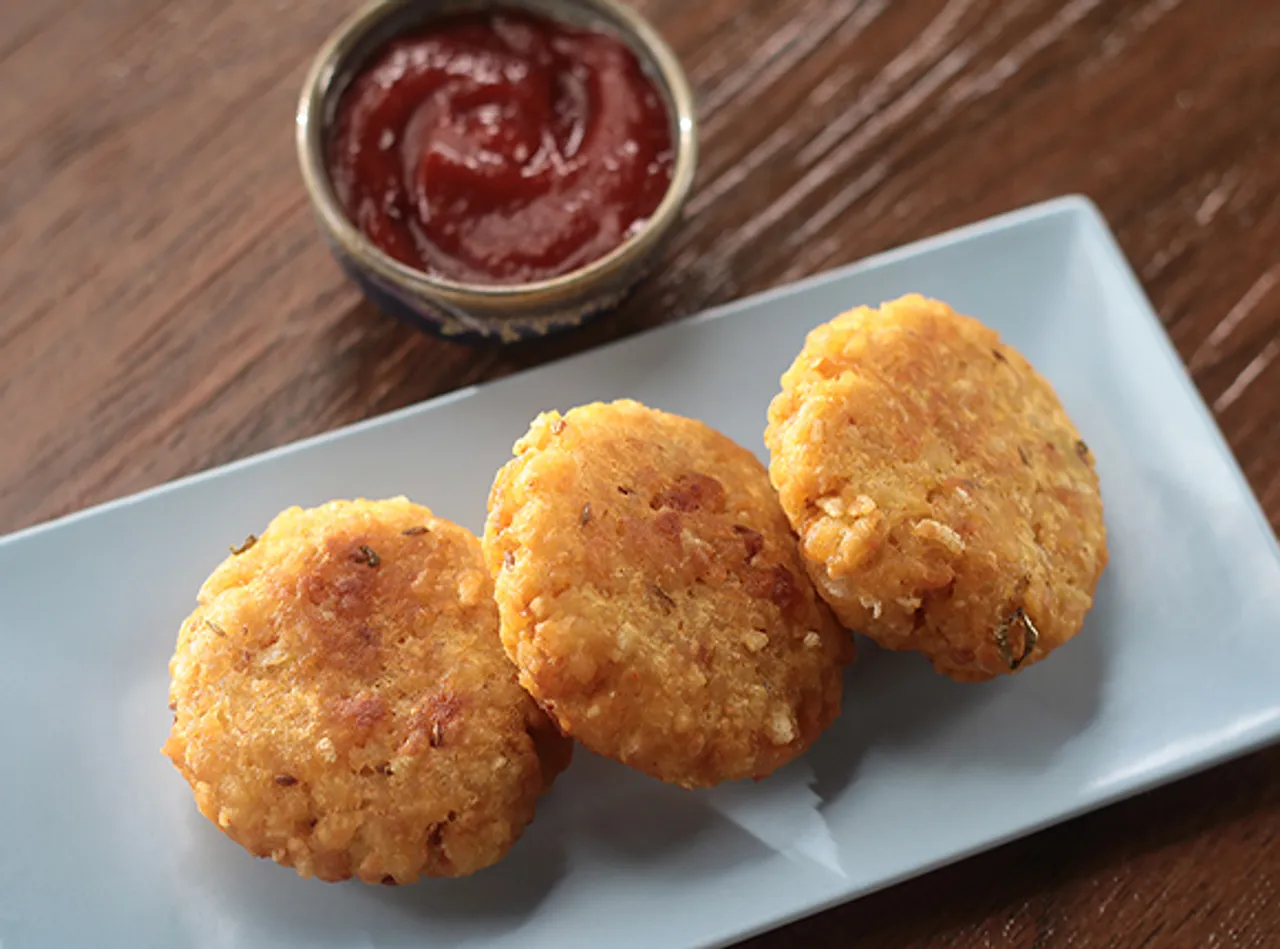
x,y
500,148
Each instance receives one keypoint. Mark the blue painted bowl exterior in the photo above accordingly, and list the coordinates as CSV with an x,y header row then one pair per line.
x,y
438,318
485,314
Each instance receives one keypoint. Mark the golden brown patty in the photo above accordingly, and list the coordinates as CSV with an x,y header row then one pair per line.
x,y
944,501
342,703
652,595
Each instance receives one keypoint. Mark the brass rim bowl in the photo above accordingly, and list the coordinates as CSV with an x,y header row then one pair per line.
x,y
480,312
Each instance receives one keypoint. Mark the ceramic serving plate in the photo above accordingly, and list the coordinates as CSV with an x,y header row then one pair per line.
x,y
1175,670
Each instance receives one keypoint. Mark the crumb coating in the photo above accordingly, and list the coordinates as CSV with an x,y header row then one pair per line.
x,y
652,596
342,703
945,502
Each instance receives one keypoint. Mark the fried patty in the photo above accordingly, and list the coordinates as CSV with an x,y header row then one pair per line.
x,y
945,502
342,703
652,596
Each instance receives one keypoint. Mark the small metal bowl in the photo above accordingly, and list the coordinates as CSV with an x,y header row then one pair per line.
x,y
480,312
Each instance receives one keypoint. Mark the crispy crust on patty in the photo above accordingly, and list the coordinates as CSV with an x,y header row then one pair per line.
x,y
653,598
342,703
944,500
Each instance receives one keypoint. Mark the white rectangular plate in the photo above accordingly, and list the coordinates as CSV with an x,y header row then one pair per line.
x,y
1176,668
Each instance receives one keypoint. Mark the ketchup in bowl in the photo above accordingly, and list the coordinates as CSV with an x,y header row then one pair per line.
x,y
500,148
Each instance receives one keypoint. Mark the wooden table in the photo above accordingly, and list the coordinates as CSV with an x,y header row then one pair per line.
x,y
167,305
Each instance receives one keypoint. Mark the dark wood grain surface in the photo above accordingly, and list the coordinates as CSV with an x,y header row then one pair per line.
x,y
167,305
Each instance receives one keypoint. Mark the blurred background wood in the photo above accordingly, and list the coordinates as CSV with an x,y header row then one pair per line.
x,y
167,305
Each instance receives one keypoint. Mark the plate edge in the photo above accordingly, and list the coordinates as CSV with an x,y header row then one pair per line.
x,y
1064,205
1092,219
